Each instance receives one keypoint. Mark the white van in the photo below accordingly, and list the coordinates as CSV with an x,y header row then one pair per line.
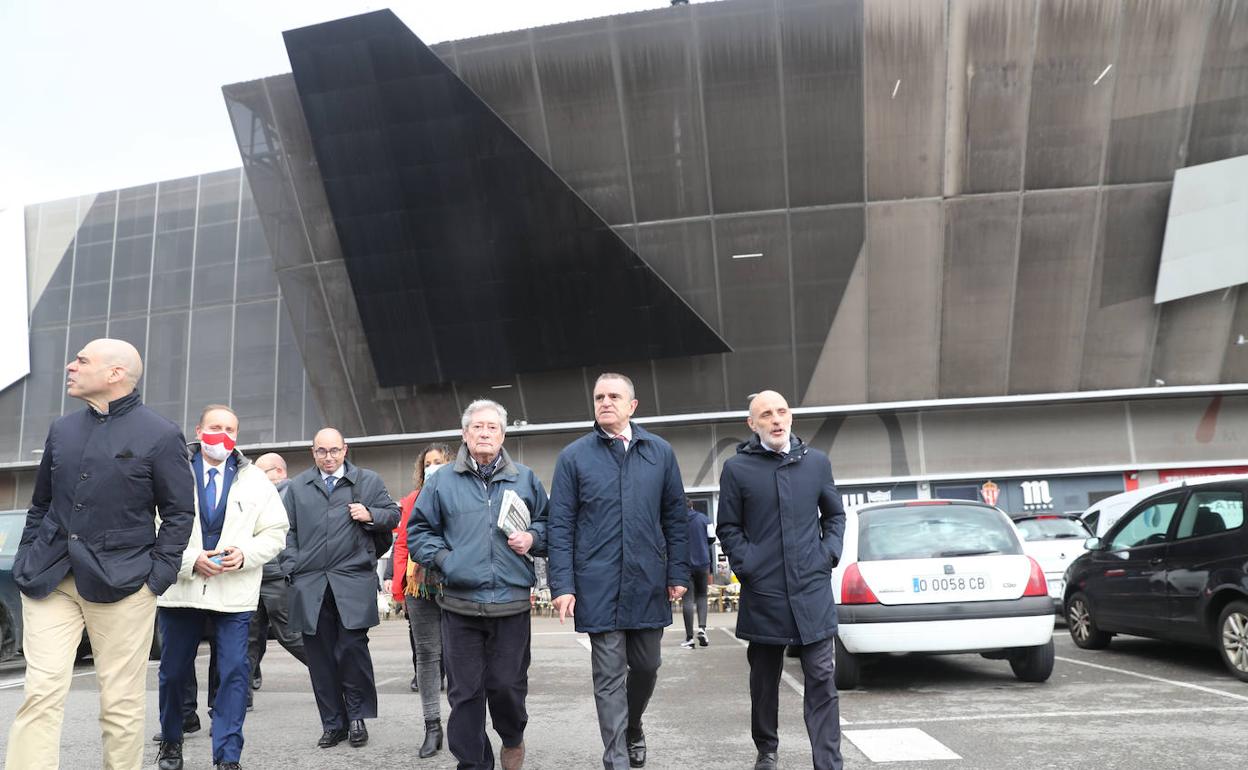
x,y
1102,515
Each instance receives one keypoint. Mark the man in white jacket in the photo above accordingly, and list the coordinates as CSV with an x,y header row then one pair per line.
x,y
240,524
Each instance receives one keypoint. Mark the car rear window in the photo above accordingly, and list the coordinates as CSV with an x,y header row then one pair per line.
x,y
933,531
1051,528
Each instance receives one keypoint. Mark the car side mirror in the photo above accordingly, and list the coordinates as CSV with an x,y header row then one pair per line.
x,y
1093,544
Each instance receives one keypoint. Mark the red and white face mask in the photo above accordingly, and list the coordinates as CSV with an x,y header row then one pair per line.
x,y
216,446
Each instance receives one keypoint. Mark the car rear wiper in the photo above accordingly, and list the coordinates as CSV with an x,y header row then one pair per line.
x,y
968,552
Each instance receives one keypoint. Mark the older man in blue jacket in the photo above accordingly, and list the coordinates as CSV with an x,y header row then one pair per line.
x,y
91,554
618,545
487,578
782,523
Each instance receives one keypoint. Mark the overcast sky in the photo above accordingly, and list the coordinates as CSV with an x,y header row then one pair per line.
x,y
101,94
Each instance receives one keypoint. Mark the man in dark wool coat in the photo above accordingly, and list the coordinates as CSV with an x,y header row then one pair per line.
x,y
782,523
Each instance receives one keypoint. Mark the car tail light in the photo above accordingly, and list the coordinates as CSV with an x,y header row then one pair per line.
x,y
1036,584
854,590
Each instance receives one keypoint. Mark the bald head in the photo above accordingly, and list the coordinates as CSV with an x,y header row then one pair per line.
x,y
273,465
103,371
771,419
329,450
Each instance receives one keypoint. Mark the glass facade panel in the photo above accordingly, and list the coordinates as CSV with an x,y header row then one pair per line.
x,y
256,278
216,238
1051,296
175,244
741,100
11,423
45,388
290,385
1071,88
208,376
904,89
821,57
989,73
164,373
981,255
826,247
500,69
583,118
254,369
666,143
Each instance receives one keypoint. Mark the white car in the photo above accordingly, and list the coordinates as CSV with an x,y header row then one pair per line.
x,y
940,577
1054,540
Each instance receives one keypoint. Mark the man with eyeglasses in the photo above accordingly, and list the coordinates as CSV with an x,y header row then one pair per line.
x,y
339,513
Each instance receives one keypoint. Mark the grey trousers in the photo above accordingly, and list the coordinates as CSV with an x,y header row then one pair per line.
x,y
626,667
424,618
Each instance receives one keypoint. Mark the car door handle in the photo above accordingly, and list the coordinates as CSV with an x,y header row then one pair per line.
x,y
1115,572
1155,562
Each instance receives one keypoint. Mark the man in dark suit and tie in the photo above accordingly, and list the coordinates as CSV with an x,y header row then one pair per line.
x,y
338,514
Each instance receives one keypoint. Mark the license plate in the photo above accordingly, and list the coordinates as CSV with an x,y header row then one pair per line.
x,y
942,584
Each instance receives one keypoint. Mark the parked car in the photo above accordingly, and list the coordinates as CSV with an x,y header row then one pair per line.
x,y
1054,540
940,577
1175,567
11,525
1105,513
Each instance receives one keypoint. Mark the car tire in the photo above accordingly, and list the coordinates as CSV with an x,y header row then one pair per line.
x,y
848,667
1231,637
1083,629
1033,664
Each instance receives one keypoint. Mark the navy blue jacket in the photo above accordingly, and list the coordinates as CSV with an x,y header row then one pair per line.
x,y
618,536
699,547
454,527
101,481
782,524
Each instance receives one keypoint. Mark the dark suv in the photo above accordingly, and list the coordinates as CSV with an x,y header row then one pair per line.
x,y
1173,567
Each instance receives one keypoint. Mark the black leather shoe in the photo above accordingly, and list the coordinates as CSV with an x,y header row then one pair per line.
x,y
433,738
189,725
257,679
357,735
415,685
331,738
170,756
766,761
636,748
228,766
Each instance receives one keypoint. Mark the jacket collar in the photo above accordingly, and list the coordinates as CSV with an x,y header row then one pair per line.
x,y
639,433
506,468
120,406
314,475
797,448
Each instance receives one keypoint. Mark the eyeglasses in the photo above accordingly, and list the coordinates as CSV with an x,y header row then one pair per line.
x,y
333,451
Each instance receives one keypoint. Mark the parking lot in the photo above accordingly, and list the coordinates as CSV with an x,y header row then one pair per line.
x,y
1139,704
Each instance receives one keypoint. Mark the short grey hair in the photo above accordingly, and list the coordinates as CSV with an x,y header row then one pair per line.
x,y
632,392
481,404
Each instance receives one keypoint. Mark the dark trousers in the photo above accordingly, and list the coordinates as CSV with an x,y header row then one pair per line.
x,y
696,597
272,613
487,664
821,706
625,668
180,632
341,669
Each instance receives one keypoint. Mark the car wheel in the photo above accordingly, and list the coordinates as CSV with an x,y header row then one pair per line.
x,y
1033,664
848,667
1232,638
1082,627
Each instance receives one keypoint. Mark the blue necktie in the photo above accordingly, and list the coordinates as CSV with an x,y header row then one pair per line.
x,y
210,491
330,481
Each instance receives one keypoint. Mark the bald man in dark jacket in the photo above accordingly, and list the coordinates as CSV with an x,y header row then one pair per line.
x,y
781,522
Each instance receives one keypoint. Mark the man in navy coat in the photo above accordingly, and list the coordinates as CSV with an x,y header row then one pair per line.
x,y
781,523
618,556
91,554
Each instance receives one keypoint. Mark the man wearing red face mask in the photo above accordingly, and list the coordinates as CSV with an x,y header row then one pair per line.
x,y
240,525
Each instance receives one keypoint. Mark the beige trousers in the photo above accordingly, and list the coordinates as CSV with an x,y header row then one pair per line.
x,y
121,636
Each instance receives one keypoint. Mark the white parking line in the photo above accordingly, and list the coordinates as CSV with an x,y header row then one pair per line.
x,y
1034,715
906,744
1151,678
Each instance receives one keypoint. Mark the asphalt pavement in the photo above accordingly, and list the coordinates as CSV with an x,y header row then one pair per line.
x,y
1140,704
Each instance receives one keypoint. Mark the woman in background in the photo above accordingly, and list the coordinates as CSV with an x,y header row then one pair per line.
x,y
417,590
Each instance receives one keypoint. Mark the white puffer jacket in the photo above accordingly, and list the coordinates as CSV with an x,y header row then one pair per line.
x,y
255,523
